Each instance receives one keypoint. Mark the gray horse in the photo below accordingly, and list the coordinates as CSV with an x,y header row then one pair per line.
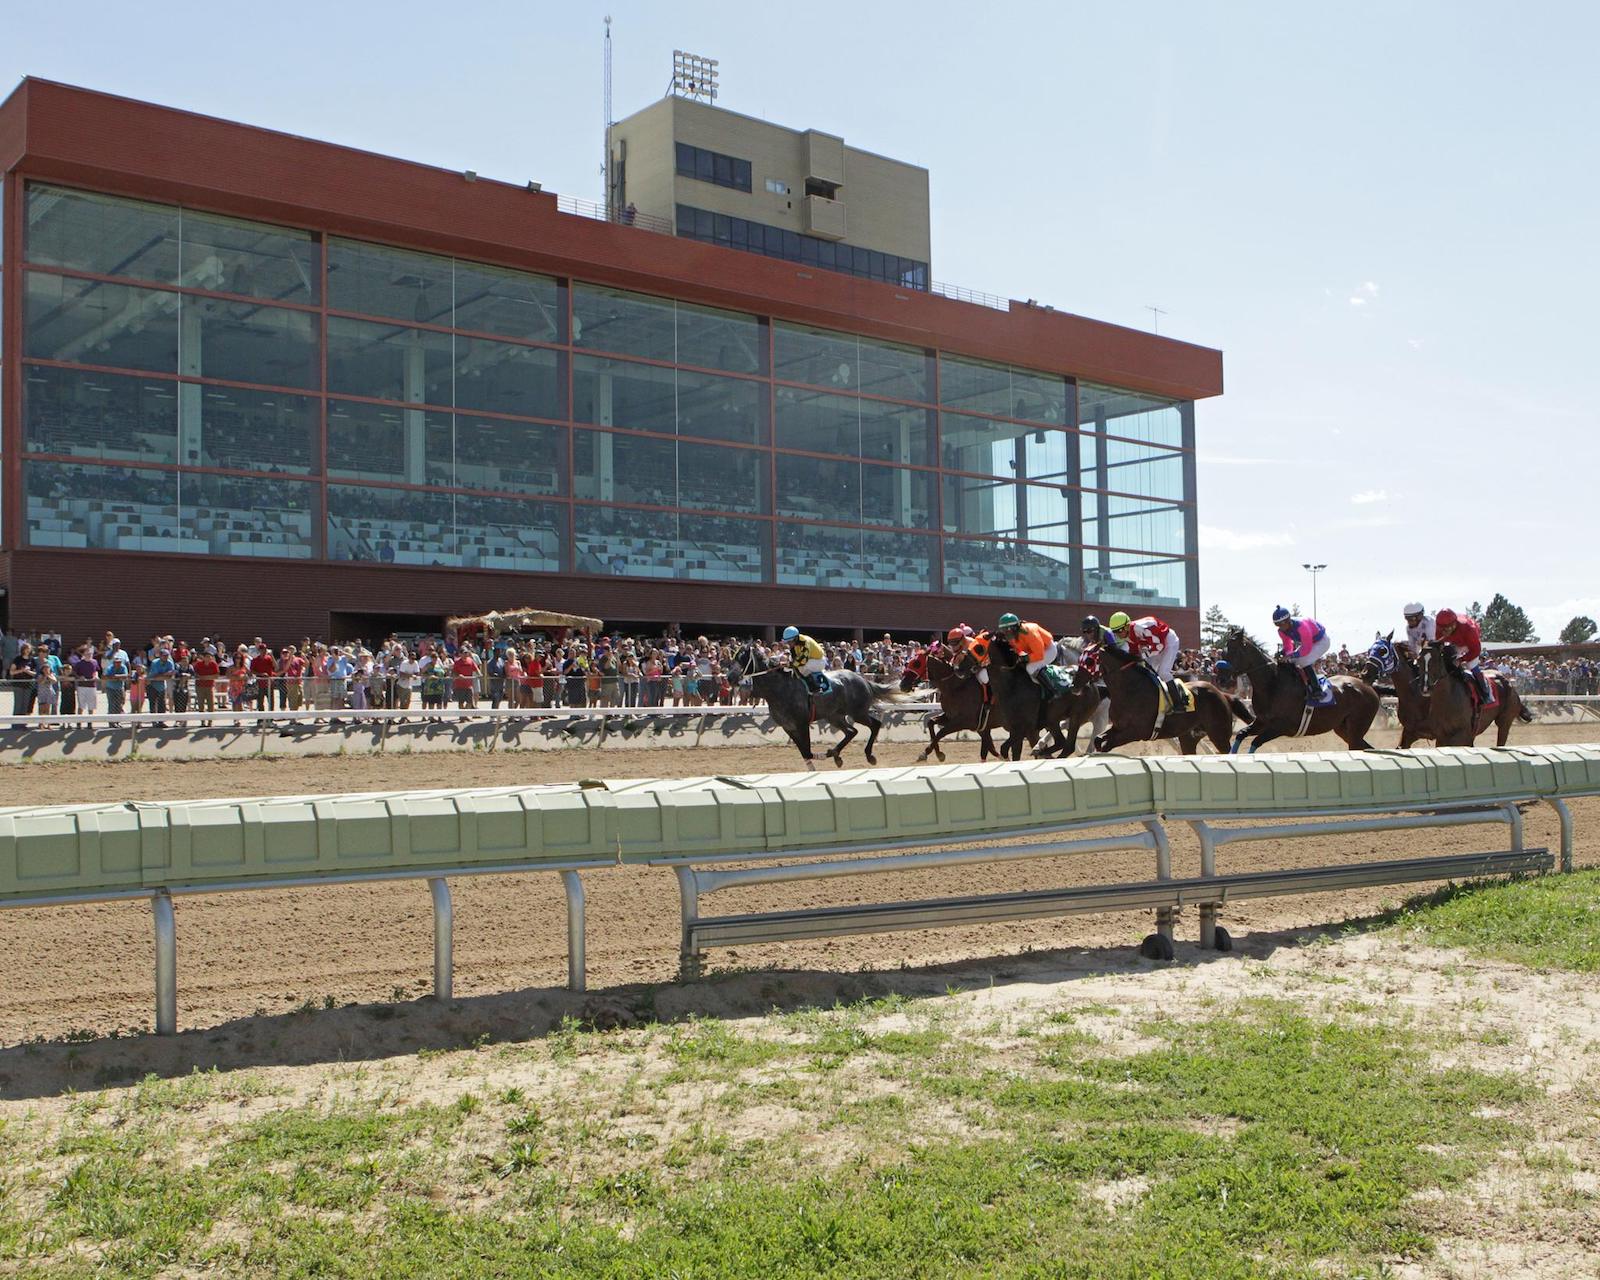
x,y
849,701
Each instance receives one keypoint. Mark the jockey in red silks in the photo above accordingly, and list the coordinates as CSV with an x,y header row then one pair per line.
x,y
1150,638
1303,641
1463,635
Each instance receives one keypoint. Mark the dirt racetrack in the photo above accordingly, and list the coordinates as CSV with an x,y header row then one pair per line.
x,y
88,969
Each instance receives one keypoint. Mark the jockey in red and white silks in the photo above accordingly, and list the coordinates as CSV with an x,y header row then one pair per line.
x,y
1150,638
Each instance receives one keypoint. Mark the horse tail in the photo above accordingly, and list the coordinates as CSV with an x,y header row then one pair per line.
x,y
888,692
1524,714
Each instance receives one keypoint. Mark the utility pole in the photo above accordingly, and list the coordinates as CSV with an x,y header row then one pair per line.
x,y
1313,570
605,159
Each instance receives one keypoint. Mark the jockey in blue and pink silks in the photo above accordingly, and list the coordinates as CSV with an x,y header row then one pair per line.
x,y
1303,641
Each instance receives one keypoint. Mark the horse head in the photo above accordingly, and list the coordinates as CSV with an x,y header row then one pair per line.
x,y
1437,659
747,662
916,671
1381,658
973,655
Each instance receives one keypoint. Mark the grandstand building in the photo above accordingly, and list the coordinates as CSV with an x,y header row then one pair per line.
x,y
252,383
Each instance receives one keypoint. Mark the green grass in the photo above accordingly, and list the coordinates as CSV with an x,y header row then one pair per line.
x,y
1547,922
1264,1142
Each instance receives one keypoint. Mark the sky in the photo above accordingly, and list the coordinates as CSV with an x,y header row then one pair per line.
x,y
1386,216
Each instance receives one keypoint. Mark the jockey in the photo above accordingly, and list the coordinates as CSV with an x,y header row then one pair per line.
x,y
1030,640
1304,640
1420,627
1222,674
1094,632
806,659
1150,638
1463,636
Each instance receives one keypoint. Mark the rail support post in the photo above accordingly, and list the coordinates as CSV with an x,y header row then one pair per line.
x,y
1208,868
1565,814
166,964
1166,917
443,939
577,968
689,899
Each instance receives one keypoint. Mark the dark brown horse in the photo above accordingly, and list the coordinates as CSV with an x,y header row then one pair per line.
x,y
1136,706
1019,705
960,702
1455,718
1278,699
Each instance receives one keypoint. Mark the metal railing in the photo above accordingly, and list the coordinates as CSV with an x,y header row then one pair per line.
x,y
621,217
959,294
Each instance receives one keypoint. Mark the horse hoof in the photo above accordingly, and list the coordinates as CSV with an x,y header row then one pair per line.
x,y
941,757
1224,940
872,759
838,762
1156,946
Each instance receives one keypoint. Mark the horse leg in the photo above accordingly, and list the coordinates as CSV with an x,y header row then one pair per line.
x,y
1217,729
1355,730
933,739
874,725
838,751
986,747
801,737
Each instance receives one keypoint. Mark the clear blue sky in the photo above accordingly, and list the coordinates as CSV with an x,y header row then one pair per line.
x,y
1387,216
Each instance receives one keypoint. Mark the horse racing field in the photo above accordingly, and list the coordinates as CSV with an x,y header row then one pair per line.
x,y
1356,1090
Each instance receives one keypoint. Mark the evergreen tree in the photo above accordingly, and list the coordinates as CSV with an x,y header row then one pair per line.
x,y
1505,623
1580,630
1214,628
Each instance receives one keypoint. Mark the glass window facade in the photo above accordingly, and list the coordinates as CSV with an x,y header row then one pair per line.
x,y
203,385
713,167
791,246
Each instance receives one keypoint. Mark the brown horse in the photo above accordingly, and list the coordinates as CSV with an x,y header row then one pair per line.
x,y
960,702
1278,699
1019,705
1136,705
1455,718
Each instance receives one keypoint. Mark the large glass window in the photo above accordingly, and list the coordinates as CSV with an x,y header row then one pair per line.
x,y
513,304
510,457
1005,509
895,433
716,408
1007,568
227,255
242,342
112,508
102,234
818,423
1010,450
981,387
791,246
844,362
896,496
658,544
385,442
1138,469
618,468
1138,524
379,281
713,166
818,556
1136,581
821,488
108,416
392,526
504,533
387,362
1126,413
629,324
723,549
720,340
85,322
714,478
249,515
243,430
502,377
619,393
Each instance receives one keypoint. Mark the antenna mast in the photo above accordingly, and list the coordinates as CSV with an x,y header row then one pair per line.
x,y
605,159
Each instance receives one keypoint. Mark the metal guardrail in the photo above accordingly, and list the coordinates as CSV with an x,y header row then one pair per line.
x,y
621,217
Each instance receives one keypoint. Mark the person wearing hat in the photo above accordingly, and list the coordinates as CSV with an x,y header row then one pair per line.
x,y
1421,628
1303,641
206,670
806,659
1151,639
1030,640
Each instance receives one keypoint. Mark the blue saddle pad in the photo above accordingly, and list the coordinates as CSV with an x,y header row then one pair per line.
x,y
1325,693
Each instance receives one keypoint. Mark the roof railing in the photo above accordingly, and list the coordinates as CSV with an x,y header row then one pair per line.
x,y
664,226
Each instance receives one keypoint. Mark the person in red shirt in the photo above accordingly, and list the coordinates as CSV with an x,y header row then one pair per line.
x,y
466,669
206,670
1463,635
263,666
292,669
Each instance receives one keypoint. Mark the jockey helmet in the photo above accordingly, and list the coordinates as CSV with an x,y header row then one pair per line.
x,y
1009,622
1412,610
791,633
1090,626
1120,621
1222,666
1280,615
1446,619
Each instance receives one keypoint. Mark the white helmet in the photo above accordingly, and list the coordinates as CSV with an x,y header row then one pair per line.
x,y
1412,610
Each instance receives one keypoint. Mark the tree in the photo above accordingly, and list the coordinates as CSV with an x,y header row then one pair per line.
x,y
1214,628
1475,612
1579,630
1504,623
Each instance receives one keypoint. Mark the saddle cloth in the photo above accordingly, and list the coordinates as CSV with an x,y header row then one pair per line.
x,y
1325,693
1492,678
1054,681
1176,698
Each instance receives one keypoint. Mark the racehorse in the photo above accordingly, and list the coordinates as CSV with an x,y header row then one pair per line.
x,y
849,701
960,702
1386,658
1136,704
1018,704
1278,698
1455,718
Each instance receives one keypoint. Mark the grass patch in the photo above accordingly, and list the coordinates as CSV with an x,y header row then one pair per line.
x,y
1258,1143
1546,922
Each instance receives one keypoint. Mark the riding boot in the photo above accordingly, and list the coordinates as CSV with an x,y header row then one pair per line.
x,y
1485,693
1313,692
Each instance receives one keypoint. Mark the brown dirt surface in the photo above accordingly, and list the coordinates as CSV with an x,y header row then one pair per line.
x,y
250,958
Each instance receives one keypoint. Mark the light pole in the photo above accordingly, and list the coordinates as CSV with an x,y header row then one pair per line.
x,y
1313,570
